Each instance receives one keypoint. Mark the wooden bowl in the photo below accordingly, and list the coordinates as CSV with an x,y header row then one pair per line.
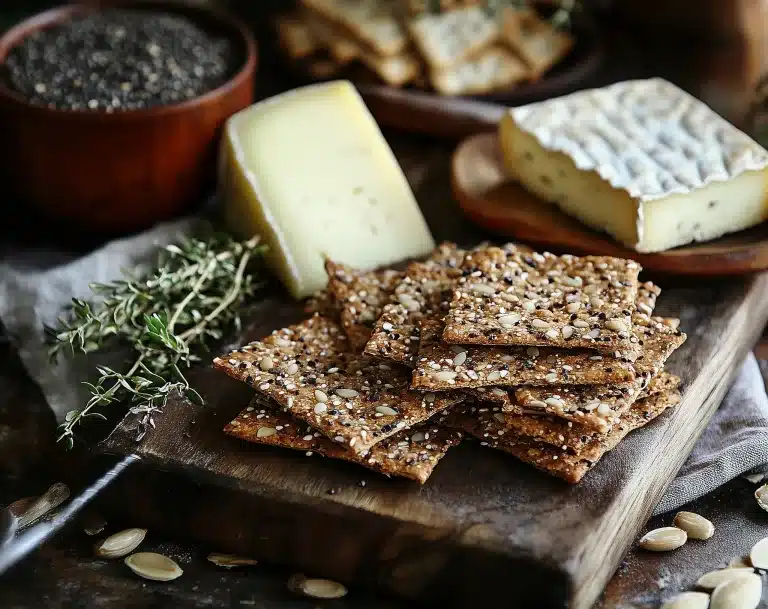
x,y
123,171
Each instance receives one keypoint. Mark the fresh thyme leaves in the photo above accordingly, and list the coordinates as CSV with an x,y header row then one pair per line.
x,y
194,296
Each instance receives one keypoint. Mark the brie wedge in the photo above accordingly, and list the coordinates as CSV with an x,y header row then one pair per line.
x,y
641,160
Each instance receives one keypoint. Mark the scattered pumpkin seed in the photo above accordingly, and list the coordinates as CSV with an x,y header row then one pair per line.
x,y
688,600
695,525
120,544
151,565
739,593
229,561
761,495
758,555
316,588
663,539
48,501
711,580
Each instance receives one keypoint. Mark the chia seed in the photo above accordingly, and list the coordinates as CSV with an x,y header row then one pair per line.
x,y
117,60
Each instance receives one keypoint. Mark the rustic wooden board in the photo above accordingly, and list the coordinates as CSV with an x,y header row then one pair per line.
x,y
484,526
506,208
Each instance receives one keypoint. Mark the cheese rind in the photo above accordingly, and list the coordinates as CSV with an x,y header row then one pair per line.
x,y
310,171
642,160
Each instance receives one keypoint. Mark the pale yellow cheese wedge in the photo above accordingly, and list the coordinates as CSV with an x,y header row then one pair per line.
x,y
310,171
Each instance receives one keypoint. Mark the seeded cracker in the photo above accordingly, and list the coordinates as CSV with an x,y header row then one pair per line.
x,y
421,293
568,435
411,453
443,366
535,40
323,303
595,407
659,338
310,370
551,459
360,298
506,298
372,22
493,69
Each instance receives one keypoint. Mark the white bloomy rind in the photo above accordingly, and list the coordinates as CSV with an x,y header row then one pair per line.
x,y
310,171
642,160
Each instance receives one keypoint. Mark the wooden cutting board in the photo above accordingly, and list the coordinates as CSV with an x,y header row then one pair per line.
x,y
484,528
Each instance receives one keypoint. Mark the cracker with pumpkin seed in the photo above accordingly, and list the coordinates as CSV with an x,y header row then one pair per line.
x,y
421,293
447,38
595,407
543,300
310,370
550,459
569,435
411,453
360,297
658,337
442,366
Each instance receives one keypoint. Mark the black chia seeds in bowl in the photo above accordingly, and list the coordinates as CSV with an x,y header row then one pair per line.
x,y
119,59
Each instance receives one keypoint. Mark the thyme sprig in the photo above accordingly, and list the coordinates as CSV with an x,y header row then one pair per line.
x,y
165,318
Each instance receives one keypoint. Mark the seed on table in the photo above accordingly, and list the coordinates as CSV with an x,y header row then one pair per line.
x,y
663,539
740,593
761,495
151,565
695,525
758,555
711,580
230,560
316,588
688,600
120,544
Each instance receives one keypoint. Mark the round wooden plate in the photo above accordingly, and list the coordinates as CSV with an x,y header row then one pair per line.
x,y
506,208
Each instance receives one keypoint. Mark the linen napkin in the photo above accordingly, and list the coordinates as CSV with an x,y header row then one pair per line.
x,y
33,292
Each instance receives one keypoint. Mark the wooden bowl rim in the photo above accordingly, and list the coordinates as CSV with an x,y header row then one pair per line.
x,y
60,14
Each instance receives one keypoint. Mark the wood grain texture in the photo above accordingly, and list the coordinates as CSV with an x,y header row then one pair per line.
x,y
483,522
506,208
123,171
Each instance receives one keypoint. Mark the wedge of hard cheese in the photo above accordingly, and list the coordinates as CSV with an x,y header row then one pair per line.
x,y
310,171
642,160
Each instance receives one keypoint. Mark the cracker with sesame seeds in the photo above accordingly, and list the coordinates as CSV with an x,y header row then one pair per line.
x,y
442,366
412,453
359,297
422,293
595,407
311,371
508,298
659,337
550,459
572,436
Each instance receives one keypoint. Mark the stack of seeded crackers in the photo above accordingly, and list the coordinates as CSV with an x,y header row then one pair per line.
x,y
552,359
460,50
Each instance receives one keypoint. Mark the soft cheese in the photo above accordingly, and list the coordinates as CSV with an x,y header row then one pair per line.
x,y
310,171
642,160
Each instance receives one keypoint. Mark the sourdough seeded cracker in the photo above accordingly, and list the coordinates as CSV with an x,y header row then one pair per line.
x,y
411,453
572,436
539,44
443,366
360,297
553,460
421,293
372,22
595,407
448,38
493,69
310,370
505,298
